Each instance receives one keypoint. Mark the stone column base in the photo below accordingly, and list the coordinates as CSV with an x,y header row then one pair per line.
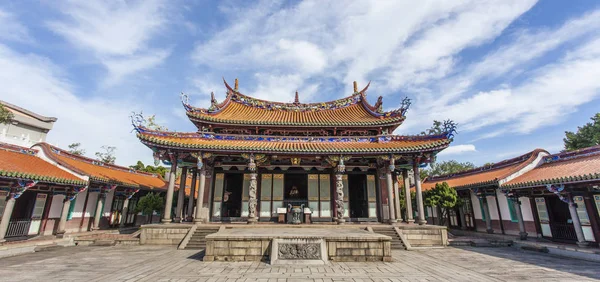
x,y
422,222
252,220
60,235
392,221
409,221
166,221
340,220
523,235
583,244
490,231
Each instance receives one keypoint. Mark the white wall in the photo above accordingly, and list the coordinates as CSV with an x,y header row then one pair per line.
x,y
503,201
526,209
56,207
108,202
491,201
79,202
476,207
92,202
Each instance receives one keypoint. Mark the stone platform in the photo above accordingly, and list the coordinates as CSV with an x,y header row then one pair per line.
x,y
255,244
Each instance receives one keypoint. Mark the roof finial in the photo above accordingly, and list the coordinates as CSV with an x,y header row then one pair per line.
x,y
296,101
236,85
355,87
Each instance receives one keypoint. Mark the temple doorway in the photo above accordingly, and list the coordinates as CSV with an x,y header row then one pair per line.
x,y
296,189
561,223
359,201
232,195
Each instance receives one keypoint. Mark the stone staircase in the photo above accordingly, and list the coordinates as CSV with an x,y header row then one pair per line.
x,y
197,241
397,243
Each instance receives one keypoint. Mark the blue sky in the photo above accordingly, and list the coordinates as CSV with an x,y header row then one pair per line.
x,y
514,74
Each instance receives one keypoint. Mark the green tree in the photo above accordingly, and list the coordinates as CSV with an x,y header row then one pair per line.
x,y
75,149
443,197
139,166
436,128
586,136
108,156
5,115
446,167
148,204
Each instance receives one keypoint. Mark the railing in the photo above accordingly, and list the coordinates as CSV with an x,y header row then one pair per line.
x,y
18,227
563,231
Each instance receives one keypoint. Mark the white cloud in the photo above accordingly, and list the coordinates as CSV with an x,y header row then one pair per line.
x,y
35,83
550,93
11,29
117,33
401,42
458,149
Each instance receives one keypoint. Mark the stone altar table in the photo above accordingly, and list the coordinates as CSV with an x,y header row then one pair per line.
x,y
255,244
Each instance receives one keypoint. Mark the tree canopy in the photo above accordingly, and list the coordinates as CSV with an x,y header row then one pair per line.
x,y
446,167
442,196
586,136
108,156
148,204
139,166
5,115
76,149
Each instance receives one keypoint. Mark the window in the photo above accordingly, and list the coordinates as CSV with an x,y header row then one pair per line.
x,y
512,210
71,208
482,209
581,211
38,208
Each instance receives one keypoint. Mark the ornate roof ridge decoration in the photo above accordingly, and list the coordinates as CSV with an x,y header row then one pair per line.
x,y
17,149
272,138
522,159
569,155
233,95
53,150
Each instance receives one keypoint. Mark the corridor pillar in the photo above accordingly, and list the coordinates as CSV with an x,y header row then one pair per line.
x,y
419,194
486,211
576,222
63,217
522,232
407,198
199,201
252,202
190,210
170,190
181,195
8,209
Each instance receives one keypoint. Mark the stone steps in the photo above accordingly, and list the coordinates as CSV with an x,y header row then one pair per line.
x,y
396,243
198,240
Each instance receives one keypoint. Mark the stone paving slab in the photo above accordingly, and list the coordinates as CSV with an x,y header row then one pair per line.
x,y
165,263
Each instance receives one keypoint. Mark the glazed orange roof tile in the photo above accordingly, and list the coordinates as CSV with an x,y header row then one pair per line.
x,y
563,168
483,176
239,109
22,163
292,145
101,172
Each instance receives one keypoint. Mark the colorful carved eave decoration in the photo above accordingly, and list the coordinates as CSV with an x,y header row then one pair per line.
x,y
18,163
102,172
578,166
485,175
373,145
240,109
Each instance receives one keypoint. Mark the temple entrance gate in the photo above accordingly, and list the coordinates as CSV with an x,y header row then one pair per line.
x,y
359,201
232,195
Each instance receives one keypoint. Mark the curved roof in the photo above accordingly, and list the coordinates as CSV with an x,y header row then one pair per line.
x,y
577,166
240,109
101,172
486,175
293,145
21,163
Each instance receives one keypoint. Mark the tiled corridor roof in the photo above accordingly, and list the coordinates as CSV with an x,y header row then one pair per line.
x,y
101,172
577,166
21,163
486,175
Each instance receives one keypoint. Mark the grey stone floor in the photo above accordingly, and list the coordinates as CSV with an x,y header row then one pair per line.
x,y
145,263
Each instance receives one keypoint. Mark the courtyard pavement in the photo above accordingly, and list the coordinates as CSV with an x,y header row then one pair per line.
x,y
150,263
